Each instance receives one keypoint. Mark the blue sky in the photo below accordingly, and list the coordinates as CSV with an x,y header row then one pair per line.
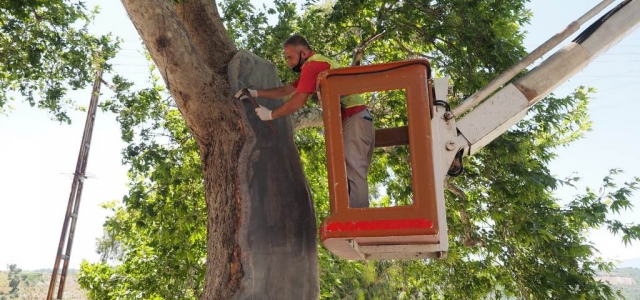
x,y
38,154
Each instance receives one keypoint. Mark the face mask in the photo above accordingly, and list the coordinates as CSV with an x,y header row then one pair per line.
x,y
298,68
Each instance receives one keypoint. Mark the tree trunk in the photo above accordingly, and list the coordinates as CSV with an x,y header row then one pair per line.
x,y
261,225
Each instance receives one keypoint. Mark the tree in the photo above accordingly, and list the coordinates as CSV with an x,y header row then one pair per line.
x,y
45,49
207,158
14,280
189,44
506,184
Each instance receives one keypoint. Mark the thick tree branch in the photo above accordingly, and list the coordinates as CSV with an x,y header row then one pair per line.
x,y
470,237
406,49
358,52
307,117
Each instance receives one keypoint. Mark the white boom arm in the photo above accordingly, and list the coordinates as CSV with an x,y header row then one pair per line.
x,y
495,115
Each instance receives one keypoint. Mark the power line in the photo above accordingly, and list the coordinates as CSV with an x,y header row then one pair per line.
x,y
127,55
616,61
626,84
132,49
131,65
616,104
608,76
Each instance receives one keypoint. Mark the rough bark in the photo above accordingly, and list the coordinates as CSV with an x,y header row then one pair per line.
x,y
278,231
203,24
261,224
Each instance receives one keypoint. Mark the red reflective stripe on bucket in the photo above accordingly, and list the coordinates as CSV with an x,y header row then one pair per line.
x,y
379,225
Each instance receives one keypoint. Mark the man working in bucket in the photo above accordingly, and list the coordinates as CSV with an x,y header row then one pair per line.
x,y
357,123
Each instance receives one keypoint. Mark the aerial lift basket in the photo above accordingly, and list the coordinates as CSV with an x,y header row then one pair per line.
x,y
402,232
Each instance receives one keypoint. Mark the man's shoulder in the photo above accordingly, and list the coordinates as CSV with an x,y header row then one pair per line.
x,y
314,64
314,68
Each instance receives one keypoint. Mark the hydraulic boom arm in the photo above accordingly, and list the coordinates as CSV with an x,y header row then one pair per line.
x,y
494,116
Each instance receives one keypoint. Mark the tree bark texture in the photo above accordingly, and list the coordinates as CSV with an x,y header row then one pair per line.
x,y
278,232
261,229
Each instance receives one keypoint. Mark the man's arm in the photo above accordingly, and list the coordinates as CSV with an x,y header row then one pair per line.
x,y
277,93
294,103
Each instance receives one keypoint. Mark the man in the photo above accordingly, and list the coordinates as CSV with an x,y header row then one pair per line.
x,y
357,123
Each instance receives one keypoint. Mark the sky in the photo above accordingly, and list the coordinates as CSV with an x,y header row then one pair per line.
x,y
38,155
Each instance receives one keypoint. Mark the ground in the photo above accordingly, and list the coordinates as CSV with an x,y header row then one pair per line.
x,y
34,286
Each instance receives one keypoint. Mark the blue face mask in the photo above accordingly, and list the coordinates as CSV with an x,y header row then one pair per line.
x,y
298,68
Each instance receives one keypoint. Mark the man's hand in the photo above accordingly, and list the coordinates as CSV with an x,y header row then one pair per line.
x,y
263,113
242,94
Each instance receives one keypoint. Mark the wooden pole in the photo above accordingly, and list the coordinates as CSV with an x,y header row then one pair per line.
x,y
71,216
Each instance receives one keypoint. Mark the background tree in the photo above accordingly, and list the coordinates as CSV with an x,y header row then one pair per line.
x,y
14,279
45,50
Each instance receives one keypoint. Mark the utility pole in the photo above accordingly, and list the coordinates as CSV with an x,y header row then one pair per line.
x,y
71,216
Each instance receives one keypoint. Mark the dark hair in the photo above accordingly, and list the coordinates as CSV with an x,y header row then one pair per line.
x,y
296,40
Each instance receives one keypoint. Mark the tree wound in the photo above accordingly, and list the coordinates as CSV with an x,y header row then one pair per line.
x,y
162,42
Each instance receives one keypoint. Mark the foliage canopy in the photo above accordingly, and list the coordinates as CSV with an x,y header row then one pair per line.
x,y
510,237
45,50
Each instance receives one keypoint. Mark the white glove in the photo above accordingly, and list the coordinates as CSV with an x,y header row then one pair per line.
x,y
242,94
264,113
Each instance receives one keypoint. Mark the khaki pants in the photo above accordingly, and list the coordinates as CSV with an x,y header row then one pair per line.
x,y
359,139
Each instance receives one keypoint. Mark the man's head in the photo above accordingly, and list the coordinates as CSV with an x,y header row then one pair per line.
x,y
296,52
